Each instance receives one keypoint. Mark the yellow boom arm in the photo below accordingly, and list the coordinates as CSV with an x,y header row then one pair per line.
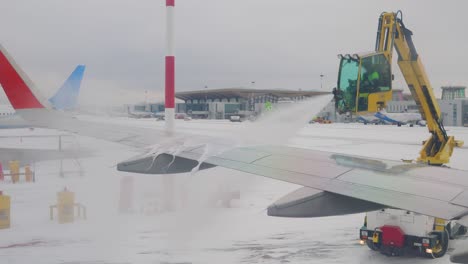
x,y
439,147
351,95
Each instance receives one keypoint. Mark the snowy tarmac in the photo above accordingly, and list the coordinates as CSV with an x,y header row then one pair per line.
x,y
198,233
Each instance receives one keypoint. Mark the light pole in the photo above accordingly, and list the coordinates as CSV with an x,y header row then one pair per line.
x,y
146,101
321,79
206,103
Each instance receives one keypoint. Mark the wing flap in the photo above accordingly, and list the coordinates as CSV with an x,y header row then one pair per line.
x,y
310,202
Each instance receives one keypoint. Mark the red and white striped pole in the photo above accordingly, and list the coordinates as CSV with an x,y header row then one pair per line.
x,y
170,68
168,181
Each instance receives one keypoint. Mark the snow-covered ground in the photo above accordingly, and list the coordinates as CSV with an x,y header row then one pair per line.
x,y
196,234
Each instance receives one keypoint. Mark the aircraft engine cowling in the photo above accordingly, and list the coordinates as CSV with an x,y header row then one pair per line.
x,y
309,202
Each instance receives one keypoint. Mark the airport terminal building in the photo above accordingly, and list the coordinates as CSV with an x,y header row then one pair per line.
x,y
453,105
224,103
245,102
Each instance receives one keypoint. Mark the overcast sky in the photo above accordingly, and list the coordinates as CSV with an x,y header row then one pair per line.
x,y
219,43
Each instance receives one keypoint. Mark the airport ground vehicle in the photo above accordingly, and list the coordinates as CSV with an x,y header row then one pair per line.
x,y
365,85
394,231
235,118
321,120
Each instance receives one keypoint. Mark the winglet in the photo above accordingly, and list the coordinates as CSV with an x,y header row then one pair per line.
x,y
16,84
66,97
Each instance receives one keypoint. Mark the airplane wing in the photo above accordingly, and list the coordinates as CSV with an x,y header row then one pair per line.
x,y
137,137
334,179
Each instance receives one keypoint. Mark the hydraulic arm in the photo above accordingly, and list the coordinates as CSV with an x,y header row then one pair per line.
x,y
364,84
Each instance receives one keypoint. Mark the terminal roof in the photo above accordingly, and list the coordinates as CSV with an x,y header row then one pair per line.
x,y
243,93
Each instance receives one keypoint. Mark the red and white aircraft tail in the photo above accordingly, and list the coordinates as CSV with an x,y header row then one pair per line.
x,y
18,87
25,98
38,112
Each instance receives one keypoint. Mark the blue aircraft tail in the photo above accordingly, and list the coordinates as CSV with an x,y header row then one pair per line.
x,y
66,97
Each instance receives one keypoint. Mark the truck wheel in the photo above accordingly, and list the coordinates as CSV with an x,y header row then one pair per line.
x,y
462,231
372,245
440,249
